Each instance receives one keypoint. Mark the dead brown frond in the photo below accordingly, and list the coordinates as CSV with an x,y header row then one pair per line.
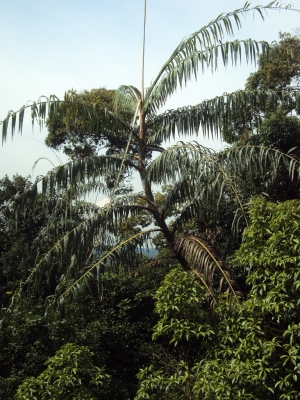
x,y
205,262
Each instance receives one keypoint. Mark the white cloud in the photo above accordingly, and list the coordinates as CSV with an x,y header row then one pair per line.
x,y
101,203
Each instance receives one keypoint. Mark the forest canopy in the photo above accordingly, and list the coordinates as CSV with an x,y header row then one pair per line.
x,y
87,313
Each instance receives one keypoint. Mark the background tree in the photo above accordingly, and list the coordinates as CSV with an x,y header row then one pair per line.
x,y
77,141
71,137
195,172
21,233
278,71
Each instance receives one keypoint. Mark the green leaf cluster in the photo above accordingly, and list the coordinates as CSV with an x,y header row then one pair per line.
x,y
277,71
179,303
114,323
70,374
70,136
250,348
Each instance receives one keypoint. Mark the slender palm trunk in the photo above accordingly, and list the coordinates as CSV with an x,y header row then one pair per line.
x,y
159,218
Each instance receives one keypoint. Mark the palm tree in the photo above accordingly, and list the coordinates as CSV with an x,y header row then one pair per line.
x,y
198,174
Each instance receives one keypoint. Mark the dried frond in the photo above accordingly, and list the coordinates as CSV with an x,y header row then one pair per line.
x,y
206,261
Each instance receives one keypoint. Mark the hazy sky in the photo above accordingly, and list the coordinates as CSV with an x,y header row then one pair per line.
x,y
51,46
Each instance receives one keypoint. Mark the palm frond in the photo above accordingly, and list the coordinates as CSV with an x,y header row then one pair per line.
x,y
210,35
127,98
211,115
191,194
195,161
235,165
181,159
200,174
92,118
117,252
180,73
90,170
70,251
241,159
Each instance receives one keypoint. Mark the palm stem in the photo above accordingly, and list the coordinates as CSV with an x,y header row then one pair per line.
x,y
159,218
143,54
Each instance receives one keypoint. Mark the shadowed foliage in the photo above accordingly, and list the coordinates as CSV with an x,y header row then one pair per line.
x,y
132,131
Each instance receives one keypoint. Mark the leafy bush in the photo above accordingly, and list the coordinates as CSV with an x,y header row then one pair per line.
x,y
70,374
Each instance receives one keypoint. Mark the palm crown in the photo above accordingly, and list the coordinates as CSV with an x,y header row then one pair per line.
x,y
199,175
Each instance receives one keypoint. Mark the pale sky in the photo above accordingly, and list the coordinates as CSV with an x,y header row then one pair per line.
x,y
50,46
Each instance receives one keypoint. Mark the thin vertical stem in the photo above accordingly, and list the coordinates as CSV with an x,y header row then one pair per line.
x,y
123,159
143,53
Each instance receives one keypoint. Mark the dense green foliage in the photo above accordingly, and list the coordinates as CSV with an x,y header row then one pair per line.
x,y
70,374
71,137
16,245
28,230
248,349
115,325
281,69
278,71
216,314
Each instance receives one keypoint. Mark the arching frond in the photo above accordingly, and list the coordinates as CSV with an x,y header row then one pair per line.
x,y
241,159
197,175
92,118
74,246
181,159
117,253
206,261
77,174
127,98
211,115
210,35
209,57
182,191
200,174
237,160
